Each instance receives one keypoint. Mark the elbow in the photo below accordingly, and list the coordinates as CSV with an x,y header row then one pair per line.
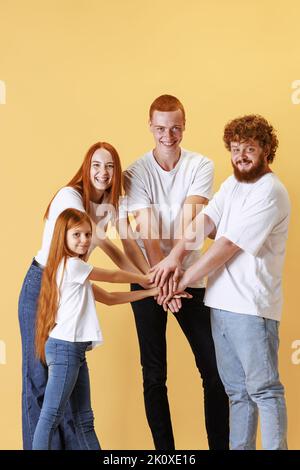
x,y
231,246
108,299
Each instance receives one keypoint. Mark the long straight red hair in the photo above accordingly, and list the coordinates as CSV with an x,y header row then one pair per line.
x,y
81,181
49,294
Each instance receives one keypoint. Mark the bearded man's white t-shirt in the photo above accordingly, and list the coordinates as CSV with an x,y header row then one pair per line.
x,y
255,217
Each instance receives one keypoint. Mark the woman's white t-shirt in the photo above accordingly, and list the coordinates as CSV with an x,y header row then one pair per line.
x,y
70,198
76,318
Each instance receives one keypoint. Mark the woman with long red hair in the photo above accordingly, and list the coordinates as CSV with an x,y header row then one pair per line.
x,y
67,326
95,190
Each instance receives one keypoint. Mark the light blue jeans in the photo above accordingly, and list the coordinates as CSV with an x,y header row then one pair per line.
x,y
247,358
68,379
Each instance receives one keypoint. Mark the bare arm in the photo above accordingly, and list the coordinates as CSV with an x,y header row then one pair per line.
x,y
130,246
214,258
192,206
112,251
114,298
198,229
118,276
149,232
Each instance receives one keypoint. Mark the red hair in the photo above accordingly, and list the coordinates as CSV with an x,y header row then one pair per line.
x,y
166,103
82,180
48,298
252,126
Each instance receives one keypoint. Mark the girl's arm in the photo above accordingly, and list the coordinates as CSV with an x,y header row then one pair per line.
x,y
119,276
114,298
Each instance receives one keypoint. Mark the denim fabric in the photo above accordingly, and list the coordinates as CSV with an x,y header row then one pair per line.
x,y
68,379
247,358
194,320
34,373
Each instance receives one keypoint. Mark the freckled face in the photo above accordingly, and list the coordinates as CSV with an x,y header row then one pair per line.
x,y
167,128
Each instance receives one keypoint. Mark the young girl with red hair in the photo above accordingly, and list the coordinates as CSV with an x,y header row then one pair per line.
x,y
67,326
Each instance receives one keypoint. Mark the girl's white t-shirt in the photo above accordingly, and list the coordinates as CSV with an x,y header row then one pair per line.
x,y
76,318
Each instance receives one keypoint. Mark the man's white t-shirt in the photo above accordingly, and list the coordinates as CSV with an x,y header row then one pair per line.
x,y
255,217
69,198
148,185
76,318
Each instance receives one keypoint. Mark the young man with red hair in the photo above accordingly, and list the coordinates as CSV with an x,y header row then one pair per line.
x,y
249,218
166,188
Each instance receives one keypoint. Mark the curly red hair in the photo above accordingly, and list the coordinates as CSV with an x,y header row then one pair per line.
x,y
252,126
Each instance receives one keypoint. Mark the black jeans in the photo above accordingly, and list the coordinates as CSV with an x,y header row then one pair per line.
x,y
194,320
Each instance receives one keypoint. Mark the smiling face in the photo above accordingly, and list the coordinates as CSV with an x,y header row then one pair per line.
x,y
79,238
101,173
167,128
249,160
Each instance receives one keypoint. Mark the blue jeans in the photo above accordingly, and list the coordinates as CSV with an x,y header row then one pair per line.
x,y
68,379
247,358
34,373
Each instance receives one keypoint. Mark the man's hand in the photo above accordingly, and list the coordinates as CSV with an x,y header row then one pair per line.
x,y
161,271
180,288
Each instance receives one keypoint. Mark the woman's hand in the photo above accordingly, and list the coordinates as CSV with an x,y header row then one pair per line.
x,y
146,281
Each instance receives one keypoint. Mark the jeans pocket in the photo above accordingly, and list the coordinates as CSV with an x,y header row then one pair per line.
x,y
272,328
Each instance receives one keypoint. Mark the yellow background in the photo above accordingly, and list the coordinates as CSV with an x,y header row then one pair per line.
x,y
85,70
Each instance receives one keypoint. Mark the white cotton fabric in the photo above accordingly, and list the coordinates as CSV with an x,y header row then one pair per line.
x,y
255,217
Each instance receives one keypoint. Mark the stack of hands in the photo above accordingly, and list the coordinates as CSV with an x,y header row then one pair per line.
x,y
170,278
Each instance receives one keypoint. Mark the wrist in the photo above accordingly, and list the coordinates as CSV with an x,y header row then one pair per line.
x,y
184,282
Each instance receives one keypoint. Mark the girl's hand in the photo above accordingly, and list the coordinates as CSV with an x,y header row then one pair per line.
x,y
153,291
146,281
184,295
167,303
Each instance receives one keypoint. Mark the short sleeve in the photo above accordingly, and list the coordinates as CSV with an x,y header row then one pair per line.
x,y
137,197
215,207
256,222
66,198
78,270
203,181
